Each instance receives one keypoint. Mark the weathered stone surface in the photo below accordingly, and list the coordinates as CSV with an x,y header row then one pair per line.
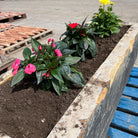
x,y
91,112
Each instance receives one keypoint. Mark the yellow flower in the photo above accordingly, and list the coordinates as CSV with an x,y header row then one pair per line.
x,y
96,15
104,2
112,3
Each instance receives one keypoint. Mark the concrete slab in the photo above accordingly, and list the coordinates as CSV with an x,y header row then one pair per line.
x,y
53,14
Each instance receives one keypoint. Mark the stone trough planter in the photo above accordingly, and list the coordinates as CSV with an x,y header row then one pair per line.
x,y
91,112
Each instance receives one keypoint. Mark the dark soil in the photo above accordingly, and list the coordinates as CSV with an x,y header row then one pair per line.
x,y
29,112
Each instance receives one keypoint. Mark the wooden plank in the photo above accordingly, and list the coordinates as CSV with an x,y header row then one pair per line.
x,y
131,92
115,133
121,124
135,68
133,81
128,105
134,72
7,64
131,119
11,16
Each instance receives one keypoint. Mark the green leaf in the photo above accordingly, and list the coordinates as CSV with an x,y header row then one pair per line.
x,y
75,77
71,60
61,45
83,57
75,71
81,44
85,45
40,66
84,21
68,51
18,77
57,86
115,30
64,88
39,76
75,41
46,84
35,45
32,59
65,71
92,47
66,68
27,53
107,34
56,74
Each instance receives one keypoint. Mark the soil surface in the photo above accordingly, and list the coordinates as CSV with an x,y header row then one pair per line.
x,y
29,112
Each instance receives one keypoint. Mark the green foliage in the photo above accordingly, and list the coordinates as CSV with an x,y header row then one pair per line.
x,y
79,39
50,64
18,77
105,22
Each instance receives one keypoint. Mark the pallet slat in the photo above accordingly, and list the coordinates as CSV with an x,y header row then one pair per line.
x,y
134,72
133,81
121,124
115,133
11,16
7,64
131,92
21,36
128,105
126,117
126,124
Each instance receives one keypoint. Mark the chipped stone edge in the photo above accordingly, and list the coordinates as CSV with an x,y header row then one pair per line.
x,y
91,112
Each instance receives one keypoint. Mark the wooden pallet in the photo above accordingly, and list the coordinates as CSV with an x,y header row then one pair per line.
x,y
20,36
125,121
11,16
5,63
5,26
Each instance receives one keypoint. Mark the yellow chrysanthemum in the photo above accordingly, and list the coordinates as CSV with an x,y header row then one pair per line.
x,y
96,15
104,2
112,3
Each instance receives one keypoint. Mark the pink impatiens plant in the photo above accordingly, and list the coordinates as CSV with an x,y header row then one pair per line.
x,y
51,64
15,66
29,69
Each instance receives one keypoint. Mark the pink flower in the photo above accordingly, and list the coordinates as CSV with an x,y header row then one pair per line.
x,y
29,69
16,64
73,25
50,40
40,48
46,74
82,33
58,52
54,45
14,72
34,51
